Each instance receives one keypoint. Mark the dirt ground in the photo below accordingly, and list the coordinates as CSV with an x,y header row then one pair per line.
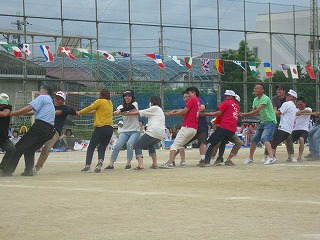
x,y
280,201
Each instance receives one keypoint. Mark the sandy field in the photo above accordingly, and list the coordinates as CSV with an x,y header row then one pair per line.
x,y
280,201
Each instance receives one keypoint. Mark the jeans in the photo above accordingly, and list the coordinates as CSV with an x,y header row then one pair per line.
x,y
125,137
264,132
9,148
146,141
313,140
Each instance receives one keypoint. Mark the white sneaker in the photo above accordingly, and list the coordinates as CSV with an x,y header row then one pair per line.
x,y
270,161
294,160
264,159
248,161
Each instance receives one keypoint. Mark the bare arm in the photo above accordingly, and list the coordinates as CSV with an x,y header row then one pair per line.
x,y
5,113
216,113
178,112
21,111
132,112
253,112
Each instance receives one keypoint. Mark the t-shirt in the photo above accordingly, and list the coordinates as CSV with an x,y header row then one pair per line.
x,y
277,103
302,122
43,109
288,115
61,119
130,123
103,112
4,123
202,120
267,113
190,119
156,121
230,111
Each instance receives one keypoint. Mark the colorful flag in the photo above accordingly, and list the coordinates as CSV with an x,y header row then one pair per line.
x,y
219,66
284,69
188,62
85,53
239,64
310,72
17,52
25,48
157,59
176,60
205,65
124,55
67,52
7,46
108,56
318,68
267,69
294,71
253,68
47,53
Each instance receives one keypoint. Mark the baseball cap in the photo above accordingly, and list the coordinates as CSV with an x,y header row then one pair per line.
x,y
281,86
4,98
128,92
120,122
293,93
238,98
230,93
61,94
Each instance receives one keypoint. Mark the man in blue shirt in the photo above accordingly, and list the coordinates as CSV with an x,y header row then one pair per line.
x,y
40,132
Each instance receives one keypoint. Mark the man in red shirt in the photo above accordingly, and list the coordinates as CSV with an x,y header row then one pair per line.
x,y
189,126
229,110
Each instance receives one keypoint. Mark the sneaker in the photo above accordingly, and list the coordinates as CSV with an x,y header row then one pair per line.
x,y
270,161
289,159
182,164
294,160
109,168
204,164
218,161
299,160
200,162
166,166
29,172
264,159
248,161
229,163
86,169
309,156
313,158
98,167
127,167
174,163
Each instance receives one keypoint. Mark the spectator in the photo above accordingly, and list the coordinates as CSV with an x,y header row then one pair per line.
x,y
23,130
15,137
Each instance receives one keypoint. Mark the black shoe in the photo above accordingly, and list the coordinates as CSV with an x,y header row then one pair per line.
x,y
127,167
201,162
29,173
109,167
98,167
86,169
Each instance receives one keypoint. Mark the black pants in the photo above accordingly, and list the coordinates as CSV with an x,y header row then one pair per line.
x,y
9,148
39,133
278,137
101,136
220,135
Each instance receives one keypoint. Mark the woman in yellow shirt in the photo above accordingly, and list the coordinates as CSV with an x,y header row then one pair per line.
x,y
103,128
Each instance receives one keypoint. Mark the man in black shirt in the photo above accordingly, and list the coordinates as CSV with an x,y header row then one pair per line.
x,y
62,111
5,143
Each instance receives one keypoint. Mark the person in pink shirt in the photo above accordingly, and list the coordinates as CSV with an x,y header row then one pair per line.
x,y
189,125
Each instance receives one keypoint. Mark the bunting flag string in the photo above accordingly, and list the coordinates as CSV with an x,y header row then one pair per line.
x,y
284,69
47,53
267,69
219,66
253,68
188,62
239,64
67,52
157,59
176,60
294,71
205,65
310,72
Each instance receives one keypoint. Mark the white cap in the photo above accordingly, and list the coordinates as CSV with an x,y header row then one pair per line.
x,y
230,93
293,93
238,98
120,122
61,94
4,98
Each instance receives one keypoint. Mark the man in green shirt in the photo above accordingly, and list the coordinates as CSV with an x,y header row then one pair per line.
x,y
262,106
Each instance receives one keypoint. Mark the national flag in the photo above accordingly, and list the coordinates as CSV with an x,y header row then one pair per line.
x,y
7,46
253,68
85,53
267,69
17,52
176,60
205,65
47,53
294,71
310,72
219,66
124,55
108,56
284,69
188,62
25,48
239,64
157,59
67,52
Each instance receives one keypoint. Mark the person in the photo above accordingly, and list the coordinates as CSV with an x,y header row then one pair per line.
x,y
61,113
142,128
67,135
130,132
40,132
120,126
287,113
23,130
301,127
262,105
15,137
103,129
229,111
5,143
247,134
313,141
10,131
154,133
189,127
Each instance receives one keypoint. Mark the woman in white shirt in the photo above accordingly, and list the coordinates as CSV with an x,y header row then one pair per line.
x,y
154,133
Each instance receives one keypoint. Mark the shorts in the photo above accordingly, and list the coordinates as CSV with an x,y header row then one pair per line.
x,y
201,136
278,137
298,134
264,132
184,135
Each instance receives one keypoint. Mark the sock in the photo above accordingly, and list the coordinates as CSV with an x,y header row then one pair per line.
x,y
202,156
